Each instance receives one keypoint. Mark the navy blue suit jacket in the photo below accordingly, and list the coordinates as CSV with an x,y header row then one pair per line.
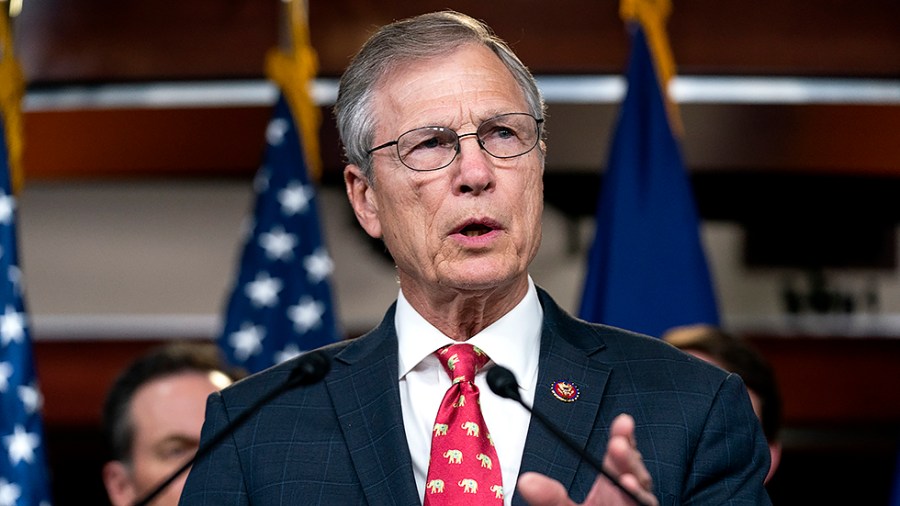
x,y
342,442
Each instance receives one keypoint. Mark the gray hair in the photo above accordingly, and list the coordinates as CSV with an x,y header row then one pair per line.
x,y
413,39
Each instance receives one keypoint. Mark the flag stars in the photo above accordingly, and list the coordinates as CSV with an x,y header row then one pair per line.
x,y
279,245
31,398
318,265
261,181
263,291
14,275
288,352
6,372
295,198
7,207
276,130
247,341
12,326
9,493
21,445
307,314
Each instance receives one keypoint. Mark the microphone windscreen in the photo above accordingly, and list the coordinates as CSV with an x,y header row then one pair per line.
x,y
503,383
310,368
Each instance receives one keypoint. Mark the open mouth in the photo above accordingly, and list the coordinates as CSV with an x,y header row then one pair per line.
x,y
475,230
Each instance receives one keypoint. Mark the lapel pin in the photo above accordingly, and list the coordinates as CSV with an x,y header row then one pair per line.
x,y
565,391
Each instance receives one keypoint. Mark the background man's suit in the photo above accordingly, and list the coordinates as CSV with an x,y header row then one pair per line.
x,y
342,441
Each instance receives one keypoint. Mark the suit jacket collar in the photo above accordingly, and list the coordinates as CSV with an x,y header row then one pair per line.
x,y
370,415
377,439
568,347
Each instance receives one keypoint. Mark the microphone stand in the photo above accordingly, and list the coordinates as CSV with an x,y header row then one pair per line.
x,y
503,383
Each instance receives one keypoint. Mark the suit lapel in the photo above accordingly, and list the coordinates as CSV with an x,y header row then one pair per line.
x,y
364,390
566,350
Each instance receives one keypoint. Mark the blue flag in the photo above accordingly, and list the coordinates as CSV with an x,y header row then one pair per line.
x,y
646,269
281,303
23,468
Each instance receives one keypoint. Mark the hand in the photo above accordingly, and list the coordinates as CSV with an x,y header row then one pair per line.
x,y
622,459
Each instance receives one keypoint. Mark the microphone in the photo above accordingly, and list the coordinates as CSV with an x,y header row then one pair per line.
x,y
503,383
311,368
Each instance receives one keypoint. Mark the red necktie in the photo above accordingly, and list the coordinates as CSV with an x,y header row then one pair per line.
x,y
464,468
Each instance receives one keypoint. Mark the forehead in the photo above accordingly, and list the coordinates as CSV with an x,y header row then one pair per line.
x,y
464,86
171,401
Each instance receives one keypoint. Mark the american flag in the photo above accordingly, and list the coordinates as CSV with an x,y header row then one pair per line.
x,y
23,471
281,303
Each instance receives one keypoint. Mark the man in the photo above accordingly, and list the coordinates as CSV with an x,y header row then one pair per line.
x,y
732,354
152,418
442,125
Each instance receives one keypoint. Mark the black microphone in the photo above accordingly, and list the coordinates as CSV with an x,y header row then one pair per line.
x,y
503,383
311,368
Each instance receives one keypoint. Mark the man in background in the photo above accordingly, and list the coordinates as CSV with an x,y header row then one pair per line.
x,y
734,355
153,415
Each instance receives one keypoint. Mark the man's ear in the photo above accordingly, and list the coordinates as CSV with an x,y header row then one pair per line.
x,y
119,485
363,199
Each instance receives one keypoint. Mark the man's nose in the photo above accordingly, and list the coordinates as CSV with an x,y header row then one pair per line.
x,y
476,172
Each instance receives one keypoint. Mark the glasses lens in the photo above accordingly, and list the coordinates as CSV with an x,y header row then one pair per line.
x,y
509,135
427,148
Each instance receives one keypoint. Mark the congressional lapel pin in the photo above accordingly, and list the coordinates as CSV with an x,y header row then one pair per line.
x,y
565,391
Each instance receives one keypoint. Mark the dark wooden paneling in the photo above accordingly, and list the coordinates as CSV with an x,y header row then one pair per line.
x,y
103,40
835,380
114,40
144,142
851,140
75,376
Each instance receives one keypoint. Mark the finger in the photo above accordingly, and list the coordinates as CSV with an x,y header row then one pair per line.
x,y
539,490
622,458
631,483
606,494
623,425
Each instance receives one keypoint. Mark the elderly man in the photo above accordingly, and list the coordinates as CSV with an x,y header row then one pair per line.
x,y
442,129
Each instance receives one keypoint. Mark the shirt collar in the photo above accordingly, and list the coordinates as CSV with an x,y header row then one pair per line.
x,y
513,341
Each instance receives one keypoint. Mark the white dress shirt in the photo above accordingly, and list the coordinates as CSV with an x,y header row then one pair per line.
x,y
513,341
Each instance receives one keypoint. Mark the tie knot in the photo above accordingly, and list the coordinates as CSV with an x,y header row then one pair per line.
x,y
462,361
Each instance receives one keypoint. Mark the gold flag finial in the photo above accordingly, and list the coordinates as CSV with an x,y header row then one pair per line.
x,y
293,71
12,89
652,16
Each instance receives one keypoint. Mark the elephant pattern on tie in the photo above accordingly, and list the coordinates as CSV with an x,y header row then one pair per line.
x,y
462,451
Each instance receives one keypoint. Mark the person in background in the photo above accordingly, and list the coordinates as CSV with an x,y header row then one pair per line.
x,y
152,418
735,355
442,127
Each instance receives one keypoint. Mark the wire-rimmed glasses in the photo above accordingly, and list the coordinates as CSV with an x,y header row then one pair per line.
x,y
435,147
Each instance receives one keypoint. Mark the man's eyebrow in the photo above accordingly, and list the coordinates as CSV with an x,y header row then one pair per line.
x,y
178,438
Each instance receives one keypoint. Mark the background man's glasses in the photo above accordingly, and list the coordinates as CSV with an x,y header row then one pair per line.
x,y
433,147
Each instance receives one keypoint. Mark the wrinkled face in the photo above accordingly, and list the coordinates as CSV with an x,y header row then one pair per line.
x,y
475,224
167,415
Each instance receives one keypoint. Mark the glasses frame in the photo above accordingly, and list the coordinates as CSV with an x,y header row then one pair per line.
x,y
396,142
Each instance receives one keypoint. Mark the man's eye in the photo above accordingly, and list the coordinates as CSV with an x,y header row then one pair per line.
x,y
429,143
500,133
177,451
505,133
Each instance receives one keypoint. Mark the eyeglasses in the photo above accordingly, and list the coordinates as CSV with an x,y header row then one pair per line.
x,y
433,147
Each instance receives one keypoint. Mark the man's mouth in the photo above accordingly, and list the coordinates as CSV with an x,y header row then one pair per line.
x,y
475,229
478,227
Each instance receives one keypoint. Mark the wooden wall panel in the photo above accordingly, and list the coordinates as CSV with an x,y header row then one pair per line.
x,y
96,143
109,40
